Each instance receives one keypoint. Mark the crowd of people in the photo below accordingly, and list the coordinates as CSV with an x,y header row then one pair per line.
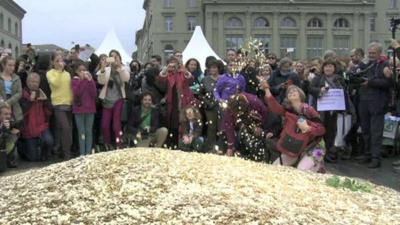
x,y
59,105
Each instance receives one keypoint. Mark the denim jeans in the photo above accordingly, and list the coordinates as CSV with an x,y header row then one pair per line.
x,y
84,124
34,148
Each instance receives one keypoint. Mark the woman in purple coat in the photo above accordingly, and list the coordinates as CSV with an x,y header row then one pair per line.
x,y
229,84
84,106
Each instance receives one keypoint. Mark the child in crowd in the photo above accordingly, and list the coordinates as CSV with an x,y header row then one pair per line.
x,y
37,112
84,106
191,127
8,135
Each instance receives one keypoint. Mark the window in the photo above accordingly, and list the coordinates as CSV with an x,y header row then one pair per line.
x,y
1,21
393,4
10,46
314,23
372,23
234,22
16,51
314,46
341,45
2,43
169,24
192,23
16,29
168,3
288,46
9,25
288,22
234,41
168,51
261,22
192,3
265,41
341,23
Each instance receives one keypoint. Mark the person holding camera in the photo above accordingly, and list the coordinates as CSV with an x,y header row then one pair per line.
x,y
177,81
282,78
374,100
113,77
61,99
35,130
84,106
143,124
8,137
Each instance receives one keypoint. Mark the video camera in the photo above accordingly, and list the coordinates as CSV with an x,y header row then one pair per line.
x,y
357,78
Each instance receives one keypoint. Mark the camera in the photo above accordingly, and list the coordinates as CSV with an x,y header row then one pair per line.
x,y
110,84
8,130
145,133
28,67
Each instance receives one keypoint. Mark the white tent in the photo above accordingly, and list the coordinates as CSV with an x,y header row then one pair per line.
x,y
111,42
198,48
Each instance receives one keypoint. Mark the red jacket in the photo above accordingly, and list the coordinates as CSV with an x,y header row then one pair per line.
x,y
317,129
36,116
182,86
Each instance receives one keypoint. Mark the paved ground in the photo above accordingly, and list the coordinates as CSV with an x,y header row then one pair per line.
x,y
381,176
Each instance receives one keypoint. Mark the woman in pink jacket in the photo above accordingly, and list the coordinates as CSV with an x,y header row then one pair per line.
x,y
84,106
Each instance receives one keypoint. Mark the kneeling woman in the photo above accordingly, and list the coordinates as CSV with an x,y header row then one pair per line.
x,y
302,131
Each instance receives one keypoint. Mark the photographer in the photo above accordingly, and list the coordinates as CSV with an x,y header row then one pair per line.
x,y
374,99
22,68
84,106
8,135
177,81
37,112
282,78
143,124
113,77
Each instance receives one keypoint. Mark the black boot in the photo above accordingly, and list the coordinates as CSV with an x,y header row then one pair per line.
x,y
363,159
375,163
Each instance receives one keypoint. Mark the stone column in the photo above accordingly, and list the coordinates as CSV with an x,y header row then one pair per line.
x,y
302,44
356,30
221,37
248,24
329,33
209,25
367,30
275,34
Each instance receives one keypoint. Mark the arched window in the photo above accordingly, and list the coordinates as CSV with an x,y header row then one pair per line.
x,y
288,22
16,51
9,25
314,22
10,46
234,22
341,23
1,21
261,22
2,43
168,51
16,29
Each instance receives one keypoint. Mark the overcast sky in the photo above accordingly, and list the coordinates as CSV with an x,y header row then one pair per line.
x,y
62,22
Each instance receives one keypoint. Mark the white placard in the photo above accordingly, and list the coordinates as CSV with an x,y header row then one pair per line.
x,y
332,100
288,50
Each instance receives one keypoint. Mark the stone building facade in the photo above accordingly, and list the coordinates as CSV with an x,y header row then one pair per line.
x,y
300,28
11,15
